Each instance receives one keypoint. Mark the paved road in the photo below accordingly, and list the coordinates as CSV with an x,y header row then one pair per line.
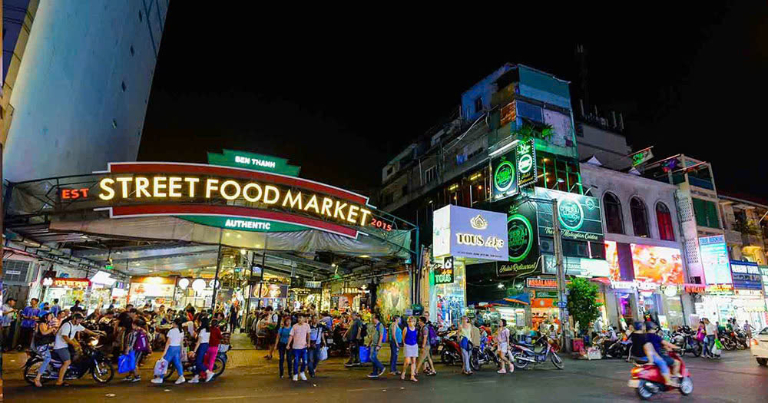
x,y
735,378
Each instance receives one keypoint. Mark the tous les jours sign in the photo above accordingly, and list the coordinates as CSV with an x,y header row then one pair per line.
x,y
465,232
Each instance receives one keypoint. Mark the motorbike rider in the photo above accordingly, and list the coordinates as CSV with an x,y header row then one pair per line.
x,y
654,348
65,337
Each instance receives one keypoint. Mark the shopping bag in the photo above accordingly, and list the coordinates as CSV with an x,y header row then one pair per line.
x,y
323,353
717,348
160,367
126,363
365,354
700,337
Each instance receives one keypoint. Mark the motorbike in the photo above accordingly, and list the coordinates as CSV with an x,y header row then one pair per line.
x,y
90,360
483,354
727,340
646,378
449,348
686,340
740,338
219,364
619,349
525,354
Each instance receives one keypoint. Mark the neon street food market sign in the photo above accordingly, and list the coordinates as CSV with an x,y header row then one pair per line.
x,y
245,199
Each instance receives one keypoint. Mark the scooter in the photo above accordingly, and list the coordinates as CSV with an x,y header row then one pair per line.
x,y
648,381
483,354
91,360
526,354
686,340
450,350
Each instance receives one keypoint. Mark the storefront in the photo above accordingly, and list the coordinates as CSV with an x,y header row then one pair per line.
x,y
154,291
176,227
67,291
464,239
749,301
646,281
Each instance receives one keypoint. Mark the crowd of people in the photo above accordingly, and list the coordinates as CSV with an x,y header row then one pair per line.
x,y
52,332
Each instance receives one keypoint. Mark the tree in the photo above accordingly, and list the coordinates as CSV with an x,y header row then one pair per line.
x,y
582,302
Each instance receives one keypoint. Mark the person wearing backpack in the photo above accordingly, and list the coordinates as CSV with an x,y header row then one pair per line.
x,y
377,339
395,341
426,348
140,348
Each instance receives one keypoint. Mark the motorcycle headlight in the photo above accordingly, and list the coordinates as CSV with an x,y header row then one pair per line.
x,y
94,342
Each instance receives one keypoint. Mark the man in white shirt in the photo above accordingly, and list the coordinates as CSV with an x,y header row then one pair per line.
x,y
709,341
8,318
65,337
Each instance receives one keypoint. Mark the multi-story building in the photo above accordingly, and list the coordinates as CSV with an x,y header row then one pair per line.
x,y
643,248
80,92
468,161
601,138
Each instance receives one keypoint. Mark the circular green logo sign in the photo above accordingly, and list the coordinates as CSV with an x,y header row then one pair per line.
x,y
525,163
520,234
504,176
571,214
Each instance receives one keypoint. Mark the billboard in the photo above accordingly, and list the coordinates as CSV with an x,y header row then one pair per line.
x,y
746,276
471,233
523,242
577,266
657,264
579,216
714,259
612,257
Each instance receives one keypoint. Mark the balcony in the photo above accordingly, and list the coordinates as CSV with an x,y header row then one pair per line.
x,y
702,183
733,237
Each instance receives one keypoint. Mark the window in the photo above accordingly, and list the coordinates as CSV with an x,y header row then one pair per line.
x,y
639,217
706,213
613,221
666,232
389,170
404,189
430,174
479,104
132,51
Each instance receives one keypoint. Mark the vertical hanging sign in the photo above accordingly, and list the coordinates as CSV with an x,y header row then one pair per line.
x,y
444,275
526,163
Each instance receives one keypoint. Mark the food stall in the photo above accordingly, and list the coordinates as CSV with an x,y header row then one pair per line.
x,y
158,290
66,290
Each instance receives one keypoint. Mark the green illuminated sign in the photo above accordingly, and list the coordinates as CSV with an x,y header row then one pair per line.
x,y
520,234
256,162
244,224
504,176
526,163
571,214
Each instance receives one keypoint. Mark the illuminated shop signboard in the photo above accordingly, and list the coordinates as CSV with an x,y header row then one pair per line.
x,y
444,275
526,163
464,232
714,259
577,266
253,161
746,276
234,198
579,216
522,241
719,289
504,176
71,283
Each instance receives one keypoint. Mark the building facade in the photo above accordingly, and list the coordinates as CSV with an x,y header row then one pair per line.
x,y
81,89
643,248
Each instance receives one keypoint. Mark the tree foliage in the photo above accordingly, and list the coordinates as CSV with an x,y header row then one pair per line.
x,y
582,302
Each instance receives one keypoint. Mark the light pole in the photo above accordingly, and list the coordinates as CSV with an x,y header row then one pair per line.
x,y
562,298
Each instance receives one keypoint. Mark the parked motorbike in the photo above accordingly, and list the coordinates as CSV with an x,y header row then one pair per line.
x,y
619,349
740,338
646,378
525,354
449,348
91,360
727,340
685,338
483,354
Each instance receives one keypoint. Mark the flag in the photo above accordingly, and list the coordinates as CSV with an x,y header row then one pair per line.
x,y
641,156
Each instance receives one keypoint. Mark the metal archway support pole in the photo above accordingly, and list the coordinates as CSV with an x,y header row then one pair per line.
x,y
216,277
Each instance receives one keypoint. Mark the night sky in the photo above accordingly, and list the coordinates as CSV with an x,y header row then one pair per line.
x,y
340,92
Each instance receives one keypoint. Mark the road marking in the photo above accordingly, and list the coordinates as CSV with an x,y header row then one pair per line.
x,y
197,399
493,381
363,389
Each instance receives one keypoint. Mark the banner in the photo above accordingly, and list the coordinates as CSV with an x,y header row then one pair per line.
x,y
714,259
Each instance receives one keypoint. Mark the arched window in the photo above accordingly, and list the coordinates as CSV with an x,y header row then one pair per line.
x,y
666,232
639,217
613,221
